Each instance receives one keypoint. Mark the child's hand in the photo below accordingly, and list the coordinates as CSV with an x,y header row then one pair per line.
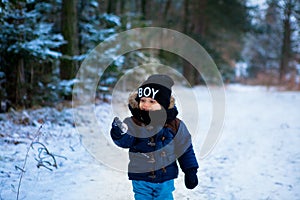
x,y
190,178
119,125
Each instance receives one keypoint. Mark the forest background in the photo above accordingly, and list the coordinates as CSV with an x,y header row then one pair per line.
x,y
43,43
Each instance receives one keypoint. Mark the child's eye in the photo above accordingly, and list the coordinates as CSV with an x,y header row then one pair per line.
x,y
143,100
152,101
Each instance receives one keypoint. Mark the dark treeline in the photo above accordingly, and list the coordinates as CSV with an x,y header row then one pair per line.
x,y
42,43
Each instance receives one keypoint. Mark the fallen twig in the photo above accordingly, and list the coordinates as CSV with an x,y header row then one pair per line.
x,y
36,137
44,158
44,155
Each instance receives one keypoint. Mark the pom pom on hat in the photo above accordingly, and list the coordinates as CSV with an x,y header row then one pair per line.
x,y
158,87
160,79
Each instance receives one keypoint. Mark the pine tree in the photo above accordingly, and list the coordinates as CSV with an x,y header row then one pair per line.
x,y
27,44
219,26
269,49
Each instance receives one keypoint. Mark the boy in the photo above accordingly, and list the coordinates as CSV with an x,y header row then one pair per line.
x,y
156,138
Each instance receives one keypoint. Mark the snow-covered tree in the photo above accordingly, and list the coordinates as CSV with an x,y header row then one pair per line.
x,y
95,27
271,48
27,45
262,49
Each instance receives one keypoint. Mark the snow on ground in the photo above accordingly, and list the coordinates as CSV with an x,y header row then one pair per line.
x,y
256,157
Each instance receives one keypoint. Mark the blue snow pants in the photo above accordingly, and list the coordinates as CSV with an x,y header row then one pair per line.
x,y
153,191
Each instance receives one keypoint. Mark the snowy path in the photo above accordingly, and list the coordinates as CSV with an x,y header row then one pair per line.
x,y
257,156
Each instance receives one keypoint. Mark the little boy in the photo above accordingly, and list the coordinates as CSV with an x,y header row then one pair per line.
x,y
156,139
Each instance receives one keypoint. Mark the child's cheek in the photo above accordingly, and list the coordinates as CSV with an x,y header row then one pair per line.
x,y
141,106
156,107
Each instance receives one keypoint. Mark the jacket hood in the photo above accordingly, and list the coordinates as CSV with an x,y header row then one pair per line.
x,y
139,115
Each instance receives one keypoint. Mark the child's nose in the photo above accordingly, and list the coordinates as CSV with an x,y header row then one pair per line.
x,y
146,106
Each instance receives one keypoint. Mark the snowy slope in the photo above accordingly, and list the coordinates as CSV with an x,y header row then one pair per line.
x,y
257,156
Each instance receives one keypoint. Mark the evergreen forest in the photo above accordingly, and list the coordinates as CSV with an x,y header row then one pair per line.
x,y
43,43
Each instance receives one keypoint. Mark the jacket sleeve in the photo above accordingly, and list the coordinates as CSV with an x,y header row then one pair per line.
x,y
184,149
122,140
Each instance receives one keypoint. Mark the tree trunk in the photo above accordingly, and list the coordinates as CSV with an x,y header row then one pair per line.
x,y
68,66
143,9
200,28
122,7
186,16
112,6
167,8
136,6
189,71
200,19
21,88
81,8
286,44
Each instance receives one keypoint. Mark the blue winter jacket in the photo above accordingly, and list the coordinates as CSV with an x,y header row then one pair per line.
x,y
154,152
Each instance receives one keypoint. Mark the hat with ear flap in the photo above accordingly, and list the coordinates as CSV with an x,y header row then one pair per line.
x,y
158,87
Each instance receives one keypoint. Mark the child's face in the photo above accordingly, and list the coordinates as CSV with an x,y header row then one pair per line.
x,y
149,104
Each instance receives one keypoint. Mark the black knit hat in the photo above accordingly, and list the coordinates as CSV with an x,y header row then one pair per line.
x,y
158,87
